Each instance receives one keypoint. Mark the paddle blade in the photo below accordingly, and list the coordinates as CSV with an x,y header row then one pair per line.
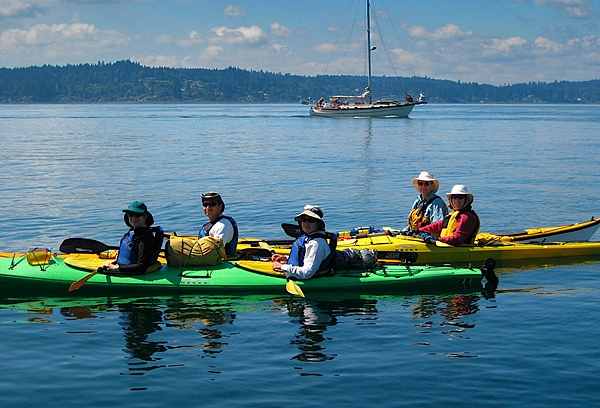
x,y
293,230
77,284
82,246
293,288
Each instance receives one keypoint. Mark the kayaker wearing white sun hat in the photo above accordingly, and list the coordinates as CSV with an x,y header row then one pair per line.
x,y
459,227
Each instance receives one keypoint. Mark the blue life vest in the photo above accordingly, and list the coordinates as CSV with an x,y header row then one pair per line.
x,y
127,255
298,250
230,247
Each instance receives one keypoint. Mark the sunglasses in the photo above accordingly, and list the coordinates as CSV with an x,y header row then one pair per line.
x,y
424,183
309,220
457,197
209,203
134,215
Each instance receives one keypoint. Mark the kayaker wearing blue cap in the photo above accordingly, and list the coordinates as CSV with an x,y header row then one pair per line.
x,y
139,248
219,226
428,207
310,252
459,227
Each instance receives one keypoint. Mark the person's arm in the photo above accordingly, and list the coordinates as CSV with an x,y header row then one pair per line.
x,y
436,211
432,229
467,223
145,247
316,251
222,230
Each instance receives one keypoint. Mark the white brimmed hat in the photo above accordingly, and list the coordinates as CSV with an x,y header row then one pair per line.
x,y
312,211
426,176
459,189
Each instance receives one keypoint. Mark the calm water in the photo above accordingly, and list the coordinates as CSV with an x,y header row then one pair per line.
x,y
67,171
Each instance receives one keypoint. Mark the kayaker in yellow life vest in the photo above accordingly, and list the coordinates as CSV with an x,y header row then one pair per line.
x,y
428,207
459,227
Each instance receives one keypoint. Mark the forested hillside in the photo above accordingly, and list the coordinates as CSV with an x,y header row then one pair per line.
x,y
126,81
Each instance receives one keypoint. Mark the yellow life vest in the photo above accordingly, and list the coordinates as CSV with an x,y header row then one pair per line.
x,y
451,222
417,216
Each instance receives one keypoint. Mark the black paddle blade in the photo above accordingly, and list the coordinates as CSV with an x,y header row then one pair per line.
x,y
82,246
292,230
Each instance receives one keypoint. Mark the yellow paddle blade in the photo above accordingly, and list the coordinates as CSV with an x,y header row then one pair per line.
x,y
293,288
77,284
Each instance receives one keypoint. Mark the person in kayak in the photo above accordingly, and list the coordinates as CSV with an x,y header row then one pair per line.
x,y
310,253
219,226
139,248
428,207
459,227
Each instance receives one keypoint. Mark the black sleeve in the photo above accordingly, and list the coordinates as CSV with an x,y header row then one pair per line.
x,y
144,246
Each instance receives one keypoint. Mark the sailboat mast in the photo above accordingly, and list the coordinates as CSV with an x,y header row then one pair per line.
x,y
369,47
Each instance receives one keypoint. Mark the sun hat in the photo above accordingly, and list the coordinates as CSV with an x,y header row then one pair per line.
x,y
138,207
459,189
426,176
213,196
312,211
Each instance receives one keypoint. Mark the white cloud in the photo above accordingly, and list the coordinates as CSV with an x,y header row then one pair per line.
x,y
442,33
280,30
547,45
234,11
9,8
503,46
571,8
156,60
58,41
241,35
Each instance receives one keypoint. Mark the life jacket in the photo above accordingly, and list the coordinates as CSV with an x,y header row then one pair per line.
x,y
417,218
127,256
230,247
451,222
298,250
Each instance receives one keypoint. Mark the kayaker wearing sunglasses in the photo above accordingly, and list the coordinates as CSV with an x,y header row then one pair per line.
x,y
310,252
219,226
459,227
139,248
428,207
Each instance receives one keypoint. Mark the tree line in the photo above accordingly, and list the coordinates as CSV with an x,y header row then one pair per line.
x,y
127,81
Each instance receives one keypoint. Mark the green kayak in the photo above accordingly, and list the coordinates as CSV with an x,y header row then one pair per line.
x,y
54,274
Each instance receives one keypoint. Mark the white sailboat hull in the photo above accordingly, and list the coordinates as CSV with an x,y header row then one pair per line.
x,y
377,109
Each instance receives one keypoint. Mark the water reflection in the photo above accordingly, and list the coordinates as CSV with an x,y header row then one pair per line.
x,y
152,327
315,317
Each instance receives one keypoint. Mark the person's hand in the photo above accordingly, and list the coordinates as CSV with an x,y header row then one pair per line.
x,y
277,266
428,238
110,266
406,232
278,258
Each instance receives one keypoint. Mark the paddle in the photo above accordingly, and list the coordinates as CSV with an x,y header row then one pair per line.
x,y
293,230
77,284
293,288
83,246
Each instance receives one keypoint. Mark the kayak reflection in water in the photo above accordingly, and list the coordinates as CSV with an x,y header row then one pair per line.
x,y
310,252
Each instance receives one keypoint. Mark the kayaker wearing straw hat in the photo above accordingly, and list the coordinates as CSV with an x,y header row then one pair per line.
x,y
310,252
428,207
461,226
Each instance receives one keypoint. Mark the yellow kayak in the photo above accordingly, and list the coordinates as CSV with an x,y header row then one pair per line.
x,y
399,247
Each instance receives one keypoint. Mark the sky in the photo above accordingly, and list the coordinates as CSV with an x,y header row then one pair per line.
x,y
485,41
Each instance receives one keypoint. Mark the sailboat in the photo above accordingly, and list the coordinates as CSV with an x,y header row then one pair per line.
x,y
363,105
